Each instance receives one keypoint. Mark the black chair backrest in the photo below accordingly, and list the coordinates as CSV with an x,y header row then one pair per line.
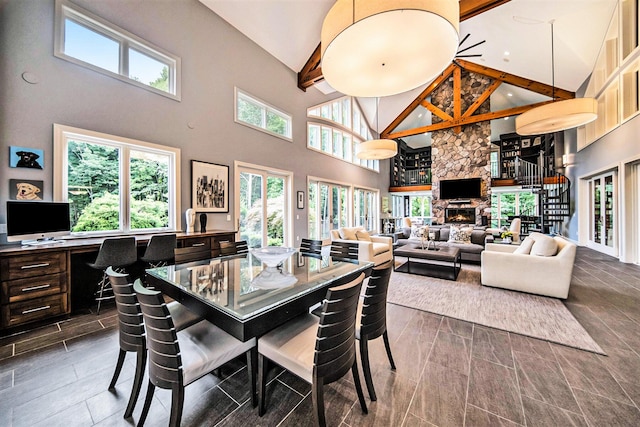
x,y
130,320
335,343
373,321
310,247
116,252
344,251
160,249
234,248
165,362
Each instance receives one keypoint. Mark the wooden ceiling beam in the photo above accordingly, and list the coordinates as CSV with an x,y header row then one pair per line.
x,y
465,121
418,100
518,81
435,110
482,98
311,72
457,97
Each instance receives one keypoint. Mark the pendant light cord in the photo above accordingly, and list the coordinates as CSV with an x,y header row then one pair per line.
x,y
553,66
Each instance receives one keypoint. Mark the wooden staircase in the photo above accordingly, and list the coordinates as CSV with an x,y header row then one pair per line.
x,y
552,189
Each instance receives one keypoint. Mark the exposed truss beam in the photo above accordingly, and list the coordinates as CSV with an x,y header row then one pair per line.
x,y
311,73
461,118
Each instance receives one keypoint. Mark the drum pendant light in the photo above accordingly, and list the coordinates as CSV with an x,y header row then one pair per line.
x,y
558,115
377,149
373,48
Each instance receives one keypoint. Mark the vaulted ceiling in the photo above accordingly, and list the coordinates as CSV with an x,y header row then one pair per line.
x,y
516,53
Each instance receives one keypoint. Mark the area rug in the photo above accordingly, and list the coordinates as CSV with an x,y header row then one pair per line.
x,y
466,299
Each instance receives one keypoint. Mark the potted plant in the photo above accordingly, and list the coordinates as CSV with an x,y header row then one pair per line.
x,y
506,236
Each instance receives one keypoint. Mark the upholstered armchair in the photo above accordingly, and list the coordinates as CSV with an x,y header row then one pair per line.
x,y
377,249
540,265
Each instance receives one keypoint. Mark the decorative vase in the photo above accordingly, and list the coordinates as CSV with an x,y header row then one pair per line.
x,y
507,239
203,222
190,216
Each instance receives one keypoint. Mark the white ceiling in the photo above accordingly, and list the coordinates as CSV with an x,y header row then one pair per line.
x,y
290,31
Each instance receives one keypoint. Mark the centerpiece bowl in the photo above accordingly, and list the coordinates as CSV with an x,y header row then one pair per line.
x,y
273,256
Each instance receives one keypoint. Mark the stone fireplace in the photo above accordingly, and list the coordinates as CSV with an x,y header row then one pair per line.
x,y
460,215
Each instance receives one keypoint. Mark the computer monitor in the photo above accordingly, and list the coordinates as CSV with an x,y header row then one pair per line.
x,y
37,222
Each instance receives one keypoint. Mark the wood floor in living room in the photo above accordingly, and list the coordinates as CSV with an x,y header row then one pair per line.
x,y
449,372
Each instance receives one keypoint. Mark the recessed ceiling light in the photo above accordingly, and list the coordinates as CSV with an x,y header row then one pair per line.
x,y
507,53
420,115
509,94
506,118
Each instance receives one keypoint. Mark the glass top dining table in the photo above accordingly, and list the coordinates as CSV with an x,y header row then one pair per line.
x,y
245,298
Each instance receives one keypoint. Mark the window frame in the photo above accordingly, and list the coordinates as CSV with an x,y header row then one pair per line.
x,y
126,40
63,133
266,107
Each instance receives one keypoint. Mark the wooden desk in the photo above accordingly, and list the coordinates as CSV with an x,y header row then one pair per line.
x,y
36,282
229,292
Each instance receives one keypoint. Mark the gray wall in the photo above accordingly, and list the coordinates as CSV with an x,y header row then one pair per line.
x,y
215,58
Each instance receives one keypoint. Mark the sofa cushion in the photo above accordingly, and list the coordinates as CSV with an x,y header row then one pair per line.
x,y
525,246
406,232
379,248
347,233
460,234
470,248
363,235
544,245
478,236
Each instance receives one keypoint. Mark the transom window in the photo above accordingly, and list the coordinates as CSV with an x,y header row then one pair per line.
x,y
253,112
88,40
115,184
345,127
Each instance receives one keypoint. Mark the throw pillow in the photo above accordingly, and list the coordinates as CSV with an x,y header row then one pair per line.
x,y
460,234
406,232
414,231
347,233
525,246
363,235
544,246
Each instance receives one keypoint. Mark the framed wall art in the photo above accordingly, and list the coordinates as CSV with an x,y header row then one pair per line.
x,y
25,189
22,157
209,187
300,199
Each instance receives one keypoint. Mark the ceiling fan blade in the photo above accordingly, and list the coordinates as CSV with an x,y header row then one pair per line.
x,y
464,39
469,56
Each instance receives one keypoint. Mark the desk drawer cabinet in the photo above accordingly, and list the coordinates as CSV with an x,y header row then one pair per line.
x,y
33,287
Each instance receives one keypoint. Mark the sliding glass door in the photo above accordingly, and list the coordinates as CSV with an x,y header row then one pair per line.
x,y
328,208
264,206
365,204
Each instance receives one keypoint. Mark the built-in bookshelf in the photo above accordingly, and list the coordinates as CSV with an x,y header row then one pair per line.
x,y
411,166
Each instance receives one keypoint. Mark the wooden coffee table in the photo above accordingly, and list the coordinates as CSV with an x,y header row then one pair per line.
x,y
442,262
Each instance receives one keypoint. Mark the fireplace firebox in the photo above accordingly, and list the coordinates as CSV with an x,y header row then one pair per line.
x,y
460,215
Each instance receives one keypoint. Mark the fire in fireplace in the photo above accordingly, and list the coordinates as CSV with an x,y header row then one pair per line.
x,y
460,215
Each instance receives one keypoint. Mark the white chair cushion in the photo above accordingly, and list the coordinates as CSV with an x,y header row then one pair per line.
x,y
525,246
348,233
380,248
363,236
544,246
204,347
292,345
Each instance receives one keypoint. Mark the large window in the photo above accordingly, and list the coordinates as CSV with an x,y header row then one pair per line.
x,y
255,113
508,203
339,127
88,40
115,184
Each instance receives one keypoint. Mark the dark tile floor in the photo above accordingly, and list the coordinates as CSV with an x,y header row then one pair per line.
x,y
450,373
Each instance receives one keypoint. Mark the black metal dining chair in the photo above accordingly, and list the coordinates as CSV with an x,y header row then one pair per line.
x,y
119,253
131,330
177,359
371,320
344,251
234,248
318,350
160,250
311,247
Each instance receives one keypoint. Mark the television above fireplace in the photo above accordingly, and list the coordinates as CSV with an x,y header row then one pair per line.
x,y
469,188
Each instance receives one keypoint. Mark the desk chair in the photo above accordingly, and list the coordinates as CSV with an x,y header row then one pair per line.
x,y
119,253
234,248
310,247
371,320
160,250
318,350
179,358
